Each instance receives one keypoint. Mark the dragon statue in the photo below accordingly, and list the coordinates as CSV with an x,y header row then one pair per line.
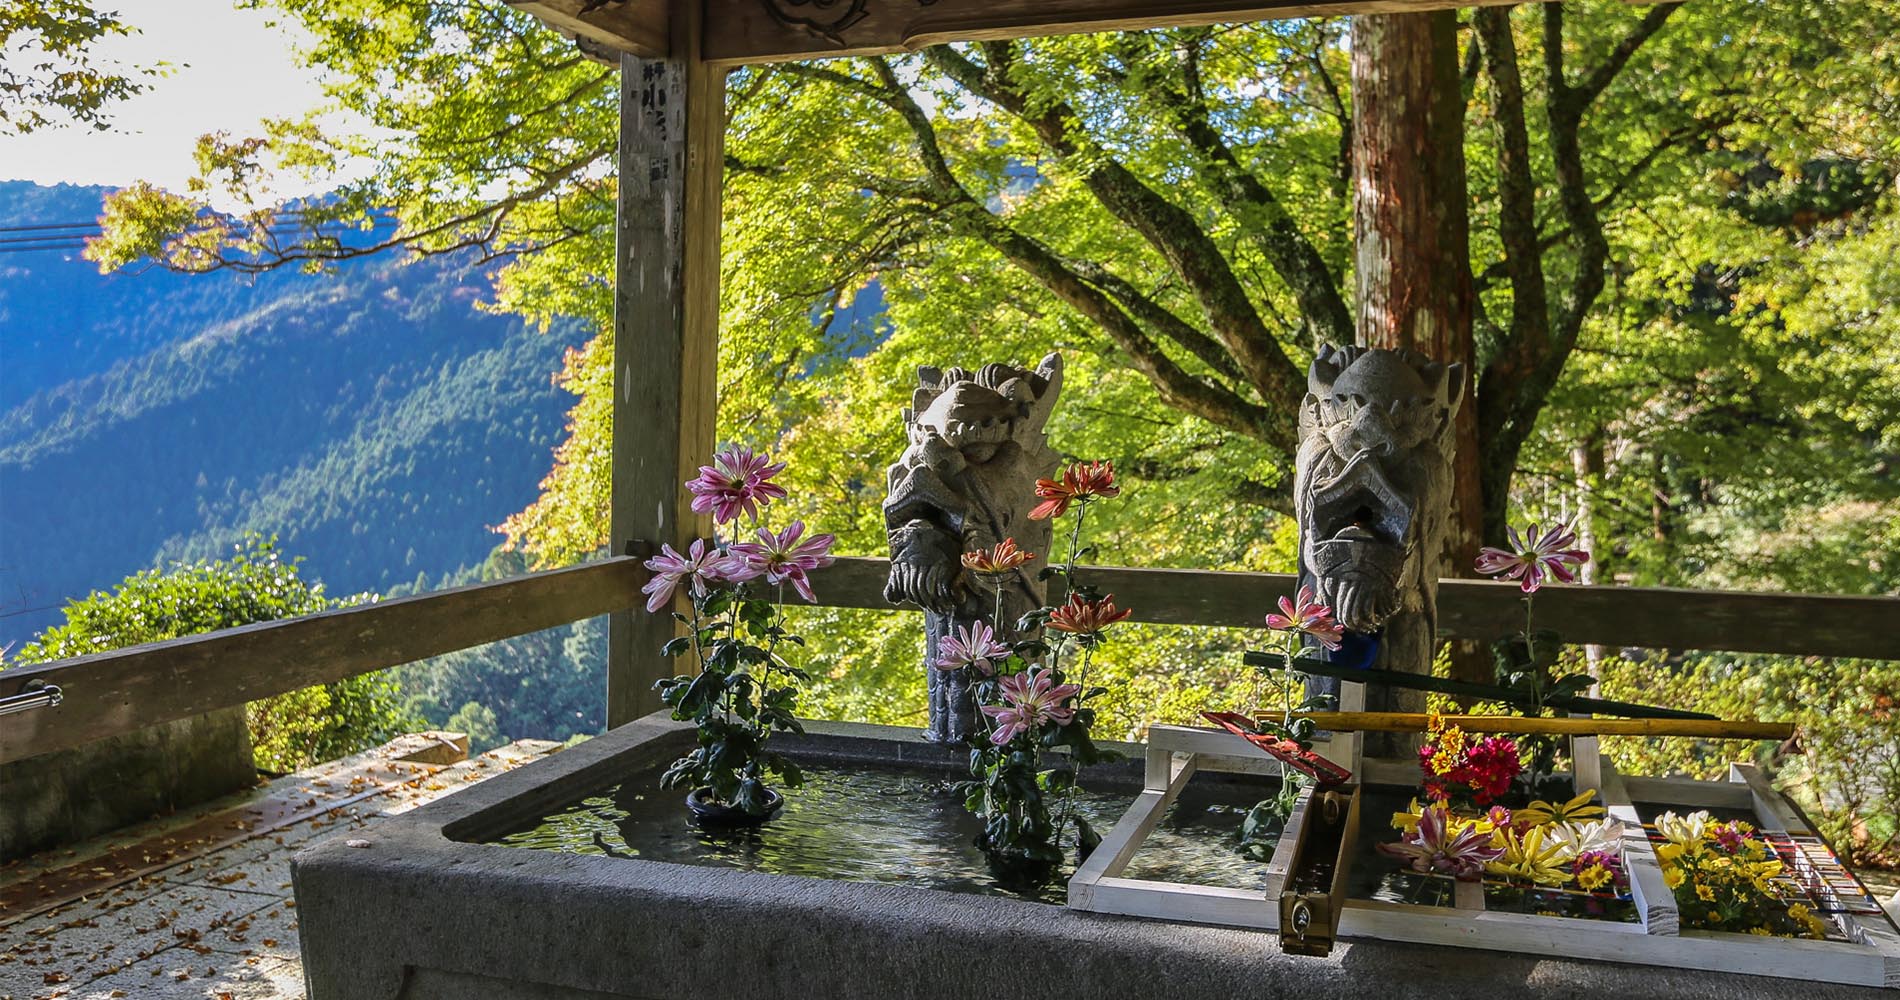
x,y
1372,494
967,481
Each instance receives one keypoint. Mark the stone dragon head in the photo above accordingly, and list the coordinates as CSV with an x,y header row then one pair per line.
x,y
967,479
1372,486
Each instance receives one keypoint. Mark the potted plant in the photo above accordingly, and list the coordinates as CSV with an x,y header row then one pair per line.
x,y
1031,710
742,689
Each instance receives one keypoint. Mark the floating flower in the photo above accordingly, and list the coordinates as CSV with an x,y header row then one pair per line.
x,y
1594,876
1307,616
1530,855
696,569
1540,812
1489,767
975,646
737,482
1731,837
1080,482
1444,844
1583,838
1087,619
1532,557
1029,700
782,558
1407,820
997,559
1684,831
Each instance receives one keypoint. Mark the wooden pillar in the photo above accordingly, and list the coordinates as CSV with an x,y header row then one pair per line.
x,y
666,329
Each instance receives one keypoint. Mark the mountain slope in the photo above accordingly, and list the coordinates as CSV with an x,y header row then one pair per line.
x,y
373,419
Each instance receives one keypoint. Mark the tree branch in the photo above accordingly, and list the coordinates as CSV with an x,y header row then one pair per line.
x,y
1215,403
1167,227
1255,206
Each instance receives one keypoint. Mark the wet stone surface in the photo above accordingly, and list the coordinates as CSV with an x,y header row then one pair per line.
x,y
208,921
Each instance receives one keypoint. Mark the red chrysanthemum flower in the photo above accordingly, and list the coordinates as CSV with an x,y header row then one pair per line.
x,y
997,559
1087,618
1080,482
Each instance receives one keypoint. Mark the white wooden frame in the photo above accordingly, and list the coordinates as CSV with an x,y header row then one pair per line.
x,y
1871,956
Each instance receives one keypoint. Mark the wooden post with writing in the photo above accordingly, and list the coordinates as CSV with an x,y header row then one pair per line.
x,y
666,328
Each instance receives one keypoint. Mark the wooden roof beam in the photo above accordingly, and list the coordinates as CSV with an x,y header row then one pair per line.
x,y
605,28
764,31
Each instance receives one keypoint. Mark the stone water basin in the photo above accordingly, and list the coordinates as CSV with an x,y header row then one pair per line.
x,y
861,818
426,907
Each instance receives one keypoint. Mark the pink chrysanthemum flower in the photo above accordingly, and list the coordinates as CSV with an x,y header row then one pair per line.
x,y
737,482
782,558
699,567
975,646
1439,844
1029,700
1309,616
1533,557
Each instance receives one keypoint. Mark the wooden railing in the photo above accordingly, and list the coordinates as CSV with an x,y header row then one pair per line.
x,y
107,694
1653,617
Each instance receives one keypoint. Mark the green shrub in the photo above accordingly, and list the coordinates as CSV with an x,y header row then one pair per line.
x,y
255,584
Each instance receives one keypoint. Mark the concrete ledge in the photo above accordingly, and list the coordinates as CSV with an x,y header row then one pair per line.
x,y
62,798
413,913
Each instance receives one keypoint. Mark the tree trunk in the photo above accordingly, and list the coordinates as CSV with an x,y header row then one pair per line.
x,y
1411,230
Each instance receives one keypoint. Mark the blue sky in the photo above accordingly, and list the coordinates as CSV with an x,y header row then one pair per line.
x,y
229,70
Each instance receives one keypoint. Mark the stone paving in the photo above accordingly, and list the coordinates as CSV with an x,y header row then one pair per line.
x,y
198,905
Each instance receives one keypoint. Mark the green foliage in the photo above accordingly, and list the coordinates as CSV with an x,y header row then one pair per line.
x,y
547,685
253,584
49,75
481,725
1844,766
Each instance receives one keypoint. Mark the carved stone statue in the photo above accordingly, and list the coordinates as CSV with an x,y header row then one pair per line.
x,y
1372,492
967,481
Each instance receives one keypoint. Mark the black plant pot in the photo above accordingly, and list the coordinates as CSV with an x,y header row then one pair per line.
x,y
1018,872
708,811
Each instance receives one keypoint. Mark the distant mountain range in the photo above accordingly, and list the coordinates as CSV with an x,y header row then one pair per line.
x,y
372,418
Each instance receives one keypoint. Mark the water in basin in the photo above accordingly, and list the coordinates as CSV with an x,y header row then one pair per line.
x,y
871,822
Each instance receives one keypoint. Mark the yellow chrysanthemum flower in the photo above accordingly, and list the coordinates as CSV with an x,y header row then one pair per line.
x,y
1408,820
1540,812
1672,877
1594,877
1529,856
1705,893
